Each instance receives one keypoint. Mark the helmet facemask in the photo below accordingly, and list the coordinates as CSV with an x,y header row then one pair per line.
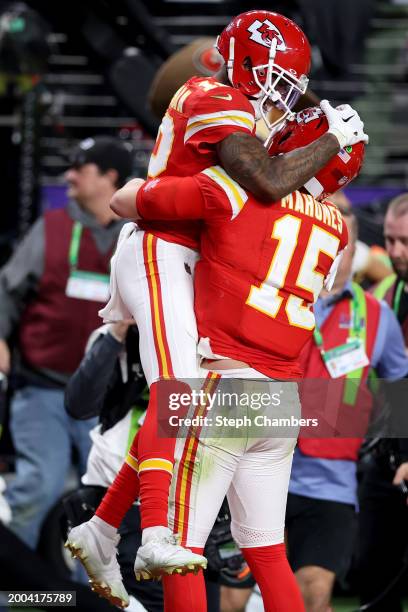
x,y
278,86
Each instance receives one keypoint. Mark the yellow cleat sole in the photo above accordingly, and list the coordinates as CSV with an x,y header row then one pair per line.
x,y
157,573
102,589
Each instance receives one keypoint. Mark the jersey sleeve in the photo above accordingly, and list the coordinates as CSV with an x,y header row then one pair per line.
x,y
344,238
224,197
209,195
215,114
170,198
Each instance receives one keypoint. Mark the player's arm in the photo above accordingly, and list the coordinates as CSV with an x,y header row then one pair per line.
x,y
271,178
168,198
123,202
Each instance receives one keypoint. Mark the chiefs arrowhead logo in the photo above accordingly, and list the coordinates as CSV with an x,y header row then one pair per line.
x,y
309,114
263,32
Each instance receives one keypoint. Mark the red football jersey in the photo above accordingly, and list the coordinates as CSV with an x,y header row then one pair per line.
x,y
201,114
262,266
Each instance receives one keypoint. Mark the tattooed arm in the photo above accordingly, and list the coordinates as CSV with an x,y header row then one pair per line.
x,y
271,178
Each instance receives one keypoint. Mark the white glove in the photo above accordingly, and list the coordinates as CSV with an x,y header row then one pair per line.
x,y
344,123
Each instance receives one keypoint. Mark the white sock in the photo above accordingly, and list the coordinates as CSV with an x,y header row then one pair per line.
x,y
153,533
108,530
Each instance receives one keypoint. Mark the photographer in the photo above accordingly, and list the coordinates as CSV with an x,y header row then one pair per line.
x,y
383,517
51,289
109,383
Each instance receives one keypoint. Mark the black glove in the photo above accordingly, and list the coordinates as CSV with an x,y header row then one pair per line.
x,y
223,555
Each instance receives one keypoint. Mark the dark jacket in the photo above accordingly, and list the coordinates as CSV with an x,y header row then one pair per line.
x,y
109,380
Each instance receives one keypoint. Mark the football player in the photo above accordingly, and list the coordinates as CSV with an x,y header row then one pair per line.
x,y
288,226
209,121
260,271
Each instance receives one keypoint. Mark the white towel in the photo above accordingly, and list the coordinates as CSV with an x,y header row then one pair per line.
x,y
115,309
5,510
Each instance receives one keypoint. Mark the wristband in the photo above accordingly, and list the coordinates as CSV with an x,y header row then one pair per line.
x,y
342,138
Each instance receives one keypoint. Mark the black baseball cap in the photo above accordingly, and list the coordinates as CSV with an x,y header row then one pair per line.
x,y
107,153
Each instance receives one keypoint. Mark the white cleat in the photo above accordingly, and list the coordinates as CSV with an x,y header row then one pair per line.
x,y
160,554
97,553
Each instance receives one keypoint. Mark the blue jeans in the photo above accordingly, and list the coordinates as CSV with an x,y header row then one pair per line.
x,y
42,434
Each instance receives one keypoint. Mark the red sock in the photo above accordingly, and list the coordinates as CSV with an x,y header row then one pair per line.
x,y
272,572
154,498
185,593
123,491
154,483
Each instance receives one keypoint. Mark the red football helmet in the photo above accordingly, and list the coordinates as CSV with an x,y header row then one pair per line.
x,y
267,57
308,125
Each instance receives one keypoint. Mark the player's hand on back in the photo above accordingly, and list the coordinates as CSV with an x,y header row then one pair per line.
x,y
344,123
123,202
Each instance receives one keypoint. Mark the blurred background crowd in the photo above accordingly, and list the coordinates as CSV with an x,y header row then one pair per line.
x,y
83,87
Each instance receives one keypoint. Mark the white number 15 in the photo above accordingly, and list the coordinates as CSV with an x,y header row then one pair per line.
x,y
266,298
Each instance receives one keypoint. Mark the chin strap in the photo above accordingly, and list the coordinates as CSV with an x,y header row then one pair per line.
x,y
276,126
230,63
272,54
